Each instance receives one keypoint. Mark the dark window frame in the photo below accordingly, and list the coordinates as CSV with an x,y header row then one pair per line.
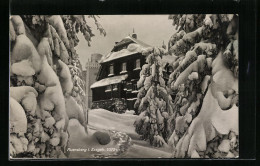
x,y
139,64
113,69
123,70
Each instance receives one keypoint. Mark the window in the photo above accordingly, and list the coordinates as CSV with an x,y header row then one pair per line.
x,y
137,64
123,68
108,88
129,86
111,70
134,86
115,87
135,90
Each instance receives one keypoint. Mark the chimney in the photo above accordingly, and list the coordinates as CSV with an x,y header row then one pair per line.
x,y
134,35
163,45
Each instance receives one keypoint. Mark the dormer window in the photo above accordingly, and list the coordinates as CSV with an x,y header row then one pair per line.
x,y
111,70
123,68
137,64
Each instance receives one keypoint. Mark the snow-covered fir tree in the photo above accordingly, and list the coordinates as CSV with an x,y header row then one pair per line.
x,y
154,104
46,87
205,85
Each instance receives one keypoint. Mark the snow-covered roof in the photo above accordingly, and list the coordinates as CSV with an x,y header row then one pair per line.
x,y
109,81
138,42
136,47
115,55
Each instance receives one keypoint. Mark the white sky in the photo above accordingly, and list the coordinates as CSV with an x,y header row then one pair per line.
x,y
151,29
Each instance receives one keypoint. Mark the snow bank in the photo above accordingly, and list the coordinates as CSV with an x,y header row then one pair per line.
x,y
110,120
106,121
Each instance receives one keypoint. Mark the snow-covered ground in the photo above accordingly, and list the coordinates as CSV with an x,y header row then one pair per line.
x,y
103,120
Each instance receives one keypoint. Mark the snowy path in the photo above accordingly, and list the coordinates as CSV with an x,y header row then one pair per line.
x,y
104,120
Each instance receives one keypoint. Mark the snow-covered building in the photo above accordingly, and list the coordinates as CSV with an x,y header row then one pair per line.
x,y
116,86
90,75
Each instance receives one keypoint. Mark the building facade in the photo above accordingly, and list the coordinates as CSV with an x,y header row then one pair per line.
x,y
116,86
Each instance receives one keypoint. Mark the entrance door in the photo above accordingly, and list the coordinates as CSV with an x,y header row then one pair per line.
x,y
130,104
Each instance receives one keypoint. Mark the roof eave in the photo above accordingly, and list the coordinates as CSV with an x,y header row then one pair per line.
x,y
120,58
